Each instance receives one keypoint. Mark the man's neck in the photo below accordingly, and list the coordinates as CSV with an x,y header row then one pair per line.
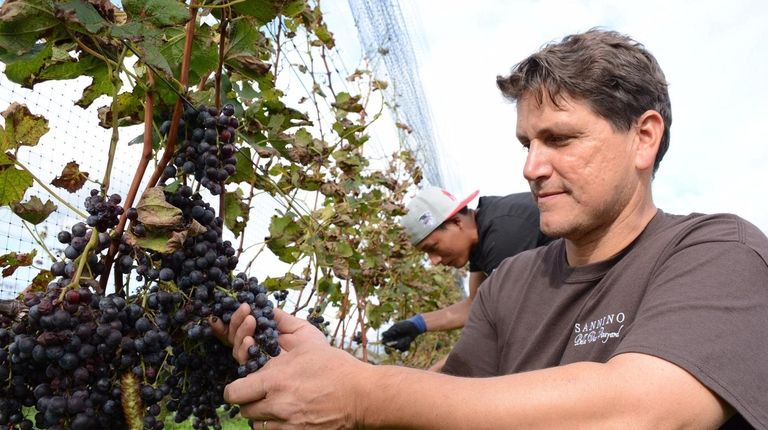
x,y
602,245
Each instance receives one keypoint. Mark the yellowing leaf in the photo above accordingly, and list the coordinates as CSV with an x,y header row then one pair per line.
x,y
156,213
13,185
12,261
21,127
34,211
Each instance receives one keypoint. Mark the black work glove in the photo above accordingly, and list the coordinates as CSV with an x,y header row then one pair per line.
x,y
402,333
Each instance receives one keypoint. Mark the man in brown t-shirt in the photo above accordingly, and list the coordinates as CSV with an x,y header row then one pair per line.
x,y
633,319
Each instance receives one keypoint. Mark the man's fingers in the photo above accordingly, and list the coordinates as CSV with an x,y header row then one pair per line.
x,y
243,391
240,352
294,331
246,328
287,323
219,329
237,318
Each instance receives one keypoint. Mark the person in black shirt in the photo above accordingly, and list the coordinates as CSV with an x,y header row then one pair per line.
x,y
452,234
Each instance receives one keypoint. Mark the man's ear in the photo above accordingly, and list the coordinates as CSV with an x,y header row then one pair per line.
x,y
453,220
648,132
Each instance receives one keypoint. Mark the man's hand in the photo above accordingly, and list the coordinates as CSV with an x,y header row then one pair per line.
x,y
401,334
309,385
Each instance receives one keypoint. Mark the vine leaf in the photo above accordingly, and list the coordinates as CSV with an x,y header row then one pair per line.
x,y
165,226
284,231
97,70
22,69
289,281
34,211
204,54
12,261
236,212
162,13
13,184
71,178
21,127
82,13
22,23
41,281
244,171
128,110
267,10
347,103
156,213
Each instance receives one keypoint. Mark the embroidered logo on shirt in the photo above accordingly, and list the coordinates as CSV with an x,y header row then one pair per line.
x,y
600,330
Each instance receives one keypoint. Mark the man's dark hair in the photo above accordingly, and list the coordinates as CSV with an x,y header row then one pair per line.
x,y
612,73
463,211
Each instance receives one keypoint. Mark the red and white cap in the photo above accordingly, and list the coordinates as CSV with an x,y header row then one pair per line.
x,y
428,209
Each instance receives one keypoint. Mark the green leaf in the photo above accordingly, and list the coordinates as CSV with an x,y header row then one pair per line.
x,y
132,30
150,52
23,23
22,69
13,185
343,249
267,10
246,46
34,211
164,241
347,103
244,170
377,315
101,84
88,66
128,109
326,284
244,37
83,13
22,128
283,234
162,13
236,212
204,53
12,261
289,281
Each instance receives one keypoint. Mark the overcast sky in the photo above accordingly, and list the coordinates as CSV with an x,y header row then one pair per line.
x,y
713,54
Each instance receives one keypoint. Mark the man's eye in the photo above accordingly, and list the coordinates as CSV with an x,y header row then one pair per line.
x,y
558,140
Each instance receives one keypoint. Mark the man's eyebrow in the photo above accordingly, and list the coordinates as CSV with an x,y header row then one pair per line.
x,y
554,129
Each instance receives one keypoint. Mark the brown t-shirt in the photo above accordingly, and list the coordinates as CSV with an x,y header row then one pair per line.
x,y
692,290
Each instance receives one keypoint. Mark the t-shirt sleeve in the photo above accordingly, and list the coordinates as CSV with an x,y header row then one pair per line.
x,y
506,236
476,352
706,311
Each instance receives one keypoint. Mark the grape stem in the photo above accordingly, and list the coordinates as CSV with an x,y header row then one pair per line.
x,y
146,156
36,237
81,263
184,80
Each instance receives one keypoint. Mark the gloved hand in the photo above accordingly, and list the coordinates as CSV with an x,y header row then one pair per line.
x,y
402,333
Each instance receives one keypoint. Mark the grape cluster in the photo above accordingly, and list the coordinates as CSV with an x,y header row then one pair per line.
x,y
85,360
103,213
207,151
316,318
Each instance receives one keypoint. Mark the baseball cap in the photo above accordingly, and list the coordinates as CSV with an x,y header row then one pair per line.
x,y
428,209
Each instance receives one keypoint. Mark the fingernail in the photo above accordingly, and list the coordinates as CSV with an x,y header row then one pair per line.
x,y
214,319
